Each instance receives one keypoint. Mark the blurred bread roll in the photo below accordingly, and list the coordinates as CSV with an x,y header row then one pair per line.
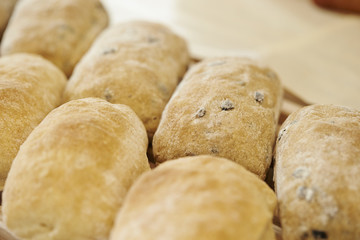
x,y
202,197
227,107
30,87
317,173
135,63
59,30
6,8
72,173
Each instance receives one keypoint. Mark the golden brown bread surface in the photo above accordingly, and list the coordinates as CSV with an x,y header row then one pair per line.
x,y
59,30
317,173
73,171
30,87
134,63
225,107
6,7
201,197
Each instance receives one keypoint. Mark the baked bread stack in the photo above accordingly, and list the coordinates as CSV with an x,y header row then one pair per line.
x,y
30,87
59,30
227,107
71,174
134,63
317,173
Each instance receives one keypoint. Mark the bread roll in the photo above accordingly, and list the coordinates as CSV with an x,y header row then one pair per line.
x,y
30,87
202,198
134,63
72,173
317,173
59,30
6,7
226,107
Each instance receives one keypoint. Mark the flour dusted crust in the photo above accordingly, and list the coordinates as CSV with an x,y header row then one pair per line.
x,y
225,107
201,197
317,173
73,171
59,30
6,7
30,87
135,63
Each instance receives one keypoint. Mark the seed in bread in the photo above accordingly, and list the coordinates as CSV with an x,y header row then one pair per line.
x,y
30,87
59,30
317,173
227,107
6,7
201,197
73,171
134,63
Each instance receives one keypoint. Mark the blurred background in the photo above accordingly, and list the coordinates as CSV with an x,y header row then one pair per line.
x,y
315,51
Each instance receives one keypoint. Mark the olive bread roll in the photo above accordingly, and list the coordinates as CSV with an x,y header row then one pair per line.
x,y
201,197
59,30
135,63
227,107
30,87
72,173
317,173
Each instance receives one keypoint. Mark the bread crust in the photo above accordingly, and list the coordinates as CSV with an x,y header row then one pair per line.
x,y
226,107
30,87
201,197
73,171
317,173
135,63
59,30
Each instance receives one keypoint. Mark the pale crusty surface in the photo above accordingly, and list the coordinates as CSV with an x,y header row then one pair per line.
x,y
201,197
71,174
6,7
59,30
30,87
135,63
215,110
317,173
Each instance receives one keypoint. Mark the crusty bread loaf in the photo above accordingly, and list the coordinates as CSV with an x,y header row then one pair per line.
x,y
59,30
226,107
134,63
73,171
317,174
30,87
6,7
202,198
